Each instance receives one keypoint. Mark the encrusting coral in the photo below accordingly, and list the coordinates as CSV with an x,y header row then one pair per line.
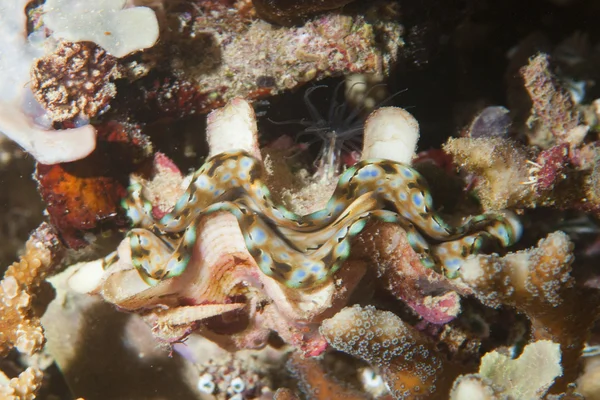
x,y
218,51
19,324
409,362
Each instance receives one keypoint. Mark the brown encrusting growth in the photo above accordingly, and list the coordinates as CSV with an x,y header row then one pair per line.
x,y
19,321
76,81
288,12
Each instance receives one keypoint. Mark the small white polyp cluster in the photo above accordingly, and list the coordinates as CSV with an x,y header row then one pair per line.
x,y
105,22
206,384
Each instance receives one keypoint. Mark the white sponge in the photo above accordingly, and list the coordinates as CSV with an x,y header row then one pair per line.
x,y
104,22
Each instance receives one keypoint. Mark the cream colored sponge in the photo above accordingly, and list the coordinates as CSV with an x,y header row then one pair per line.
x,y
104,22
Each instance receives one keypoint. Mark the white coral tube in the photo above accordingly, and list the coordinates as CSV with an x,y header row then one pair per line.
x,y
390,133
233,127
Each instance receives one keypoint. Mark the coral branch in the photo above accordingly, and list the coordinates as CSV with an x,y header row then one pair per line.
x,y
19,326
23,387
400,271
508,175
408,361
553,113
20,114
498,164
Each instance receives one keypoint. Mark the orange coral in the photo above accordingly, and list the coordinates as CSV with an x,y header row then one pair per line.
x,y
23,387
19,326
84,196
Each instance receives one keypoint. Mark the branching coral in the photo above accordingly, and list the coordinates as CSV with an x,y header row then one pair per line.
x,y
498,163
507,174
554,118
399,270
23,387
527,377
19,325
537,282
